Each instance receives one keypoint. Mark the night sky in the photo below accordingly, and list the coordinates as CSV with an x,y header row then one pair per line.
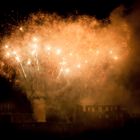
x,y
12,12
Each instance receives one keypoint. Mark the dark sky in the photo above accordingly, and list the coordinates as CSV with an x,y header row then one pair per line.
x,y
100,8
13,11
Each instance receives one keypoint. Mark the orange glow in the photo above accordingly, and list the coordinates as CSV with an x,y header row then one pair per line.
x,y
54,53
73,46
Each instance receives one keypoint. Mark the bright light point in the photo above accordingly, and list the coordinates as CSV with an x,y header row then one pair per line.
x,y
110,51
63,63
115,57
17,58
35,39
67,70
70,54
48,48
33,52
21,29
29,62
14,52
86,61
6,46
58,51
78,66
97,52
7,54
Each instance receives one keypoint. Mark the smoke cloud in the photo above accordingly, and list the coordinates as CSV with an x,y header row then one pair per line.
x,y
60,62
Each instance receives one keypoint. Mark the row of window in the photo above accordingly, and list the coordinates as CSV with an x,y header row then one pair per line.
x,y
101,108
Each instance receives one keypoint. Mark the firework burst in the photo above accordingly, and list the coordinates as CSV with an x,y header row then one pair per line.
x,y
49,53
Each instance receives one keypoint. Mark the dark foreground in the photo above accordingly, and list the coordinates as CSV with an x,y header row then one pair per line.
x,y
130,130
